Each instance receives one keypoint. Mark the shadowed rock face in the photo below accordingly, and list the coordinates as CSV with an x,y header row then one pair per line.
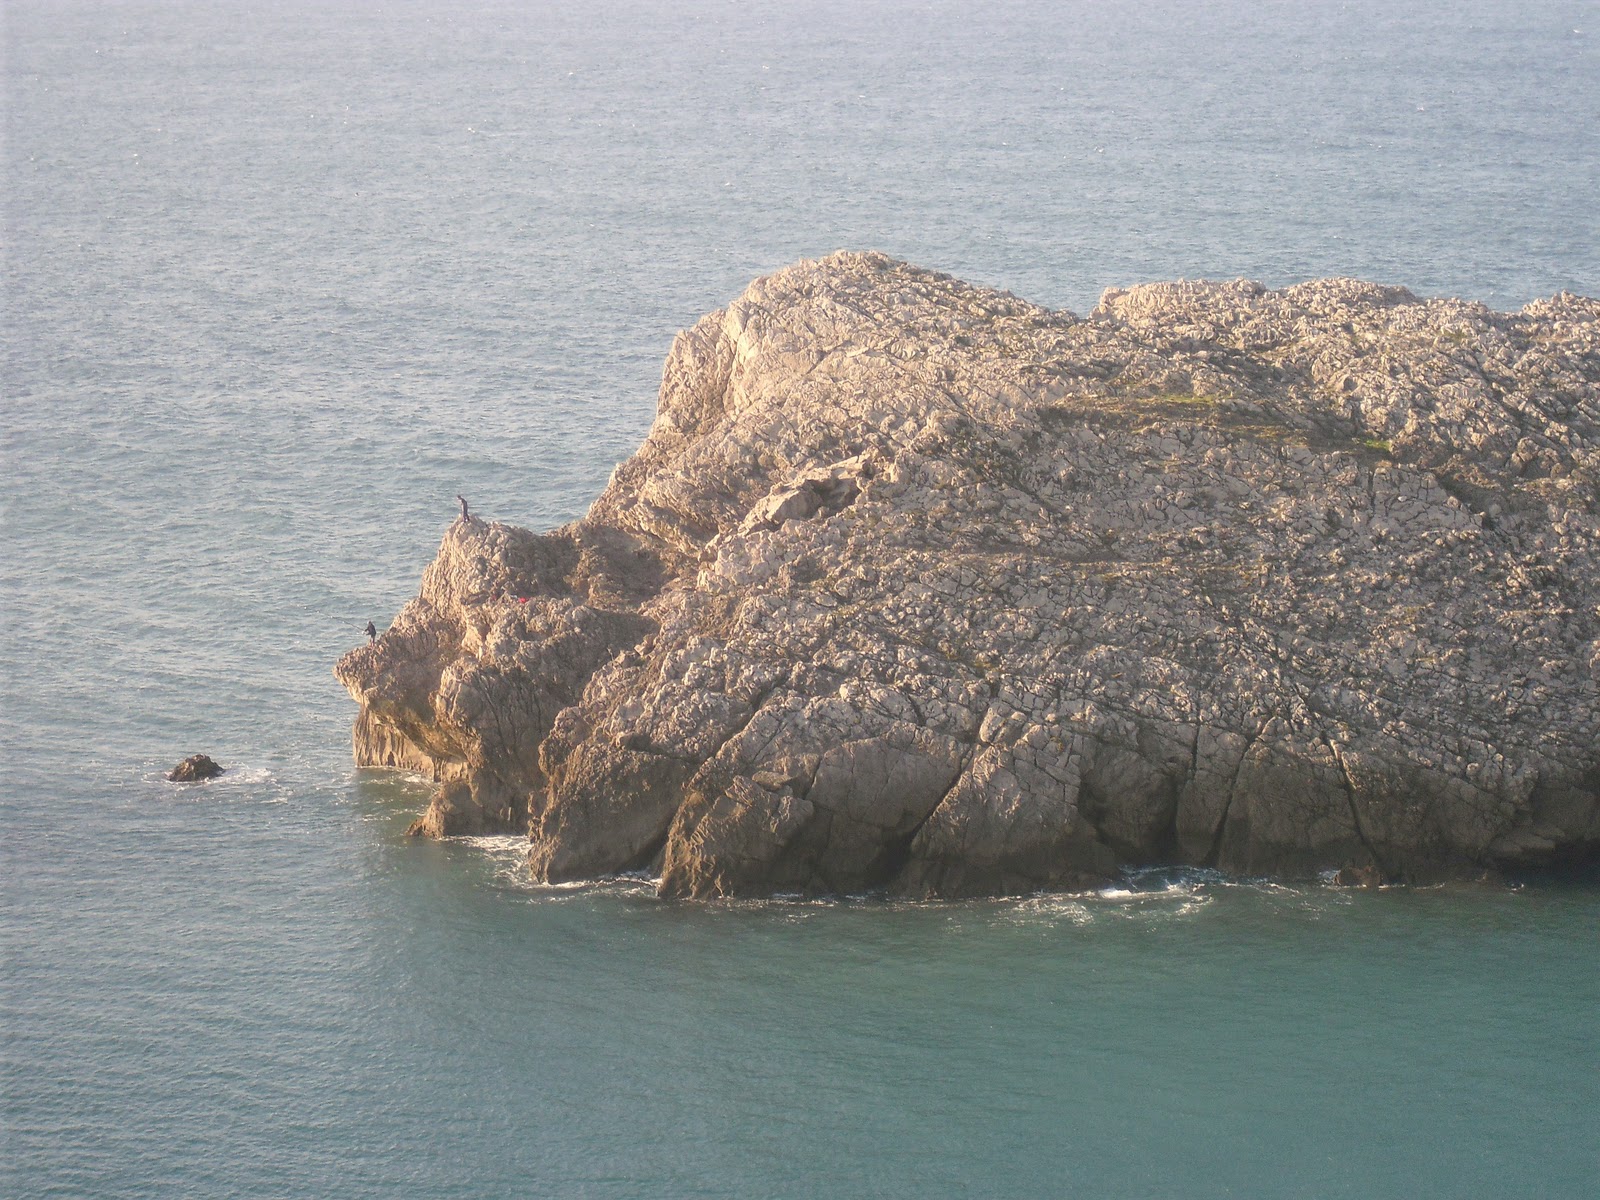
x,y
916,585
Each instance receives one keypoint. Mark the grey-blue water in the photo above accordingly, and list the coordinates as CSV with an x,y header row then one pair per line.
x,y
282,278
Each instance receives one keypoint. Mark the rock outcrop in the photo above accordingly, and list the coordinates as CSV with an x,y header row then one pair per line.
x,y
197,768
915,585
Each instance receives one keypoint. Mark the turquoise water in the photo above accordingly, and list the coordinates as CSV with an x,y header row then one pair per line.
x,y
280,281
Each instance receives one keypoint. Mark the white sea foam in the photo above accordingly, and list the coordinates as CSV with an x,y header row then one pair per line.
x,y
247,776
508,853
494,843
259,785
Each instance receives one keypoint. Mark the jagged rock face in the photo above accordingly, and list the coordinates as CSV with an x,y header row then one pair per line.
x,y
916,585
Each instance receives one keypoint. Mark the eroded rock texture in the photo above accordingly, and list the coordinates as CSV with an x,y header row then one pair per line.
x,y
916,585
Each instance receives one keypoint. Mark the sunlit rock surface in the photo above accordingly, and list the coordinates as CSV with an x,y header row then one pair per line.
x,y
916,585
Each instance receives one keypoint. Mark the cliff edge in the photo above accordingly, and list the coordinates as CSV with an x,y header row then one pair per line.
x,y
916,585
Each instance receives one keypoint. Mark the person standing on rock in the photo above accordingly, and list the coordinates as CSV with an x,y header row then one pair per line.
x,y
465,515
372,633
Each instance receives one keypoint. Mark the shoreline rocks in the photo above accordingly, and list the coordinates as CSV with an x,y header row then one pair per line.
x,y
917,586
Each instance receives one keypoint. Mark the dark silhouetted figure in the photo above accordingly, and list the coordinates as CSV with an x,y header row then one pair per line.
x,y
465,515
372,633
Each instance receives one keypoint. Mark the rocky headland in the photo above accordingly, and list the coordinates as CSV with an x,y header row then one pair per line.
x,y
917,586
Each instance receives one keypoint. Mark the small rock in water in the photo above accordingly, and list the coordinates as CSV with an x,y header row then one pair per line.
x,y
194,769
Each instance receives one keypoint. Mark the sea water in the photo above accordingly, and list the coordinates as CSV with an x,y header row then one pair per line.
x,y
281,279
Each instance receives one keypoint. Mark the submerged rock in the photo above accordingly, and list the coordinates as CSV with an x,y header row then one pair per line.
x,y
916,585
194,769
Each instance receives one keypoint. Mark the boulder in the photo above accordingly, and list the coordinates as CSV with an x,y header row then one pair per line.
x,y
194,769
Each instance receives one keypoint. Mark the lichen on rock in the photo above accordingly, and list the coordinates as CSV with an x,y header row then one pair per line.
x,y
915,585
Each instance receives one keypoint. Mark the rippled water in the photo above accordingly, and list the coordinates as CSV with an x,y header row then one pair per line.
x,y
281,280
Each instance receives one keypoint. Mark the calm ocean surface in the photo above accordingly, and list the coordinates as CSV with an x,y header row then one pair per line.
x,y
280,279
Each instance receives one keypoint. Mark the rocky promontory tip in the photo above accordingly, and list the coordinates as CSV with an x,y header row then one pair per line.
x,y
917,586
195,769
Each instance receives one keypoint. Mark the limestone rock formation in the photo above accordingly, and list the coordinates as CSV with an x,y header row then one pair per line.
x,y
915,585
195,769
